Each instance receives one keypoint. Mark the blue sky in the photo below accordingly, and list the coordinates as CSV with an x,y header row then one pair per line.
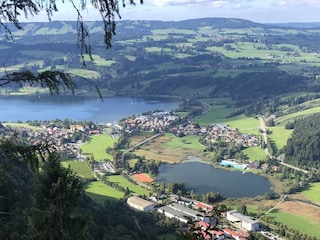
x,y
262,11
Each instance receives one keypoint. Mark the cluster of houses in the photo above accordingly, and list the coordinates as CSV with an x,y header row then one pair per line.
x,y
163,121
156,121
61,139
205,223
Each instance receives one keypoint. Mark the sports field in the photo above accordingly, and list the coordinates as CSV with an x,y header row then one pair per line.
x,y
79,167
142,177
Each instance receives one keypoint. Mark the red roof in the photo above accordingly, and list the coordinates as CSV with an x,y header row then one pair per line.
x,y
204,206
231,232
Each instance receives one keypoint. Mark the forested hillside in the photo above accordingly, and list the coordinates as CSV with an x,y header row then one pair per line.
x,y
251,63
51,204
303,147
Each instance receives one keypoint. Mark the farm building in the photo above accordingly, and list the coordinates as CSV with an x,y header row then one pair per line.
x,y
140,204
242,220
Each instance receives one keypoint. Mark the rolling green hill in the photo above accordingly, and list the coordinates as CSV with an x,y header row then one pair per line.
x,y
263,69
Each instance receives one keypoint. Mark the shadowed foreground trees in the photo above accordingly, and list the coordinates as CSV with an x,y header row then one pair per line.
x,y
38,197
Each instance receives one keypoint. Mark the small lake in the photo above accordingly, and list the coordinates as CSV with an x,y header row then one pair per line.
x,y
202,178
106,111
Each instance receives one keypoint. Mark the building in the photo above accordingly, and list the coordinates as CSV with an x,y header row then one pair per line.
x,y
181,213
171,213
243,221
140,204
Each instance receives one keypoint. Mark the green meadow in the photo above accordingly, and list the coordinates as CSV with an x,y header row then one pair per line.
x,y
255,153
98,60
190,141
290,117
216,114
300,223
99,192
123,182
97,147
313,192
279,135
245,124
83,73
79,167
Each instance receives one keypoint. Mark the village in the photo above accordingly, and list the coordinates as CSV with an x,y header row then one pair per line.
x,y
67,142
169,122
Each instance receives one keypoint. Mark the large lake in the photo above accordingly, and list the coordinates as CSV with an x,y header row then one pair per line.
x,y
202,178
106,111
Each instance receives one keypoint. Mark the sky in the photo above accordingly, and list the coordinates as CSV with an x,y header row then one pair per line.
x,y
261,11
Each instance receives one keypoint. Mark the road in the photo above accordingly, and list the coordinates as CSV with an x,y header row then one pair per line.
x,y
142,142
265,137
275,206
206,107
293,167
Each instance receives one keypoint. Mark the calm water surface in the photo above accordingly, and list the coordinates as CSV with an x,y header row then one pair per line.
x,y
202,178
110,110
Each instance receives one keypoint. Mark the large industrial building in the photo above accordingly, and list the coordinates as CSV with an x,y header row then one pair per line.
x,y
242,220
140,204
182,213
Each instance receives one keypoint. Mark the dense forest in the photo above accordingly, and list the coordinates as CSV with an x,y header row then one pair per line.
x,y
302,148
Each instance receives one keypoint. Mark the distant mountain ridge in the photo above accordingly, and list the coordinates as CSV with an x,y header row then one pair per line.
x,y
64,27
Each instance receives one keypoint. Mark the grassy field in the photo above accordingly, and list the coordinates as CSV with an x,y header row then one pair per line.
x,y
20,125
100,192
83,73
171,149
284,119
313,192
190,141
297,222
244,124
279,135
123,182
97,147
79,167
255,153
99,61
216,114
